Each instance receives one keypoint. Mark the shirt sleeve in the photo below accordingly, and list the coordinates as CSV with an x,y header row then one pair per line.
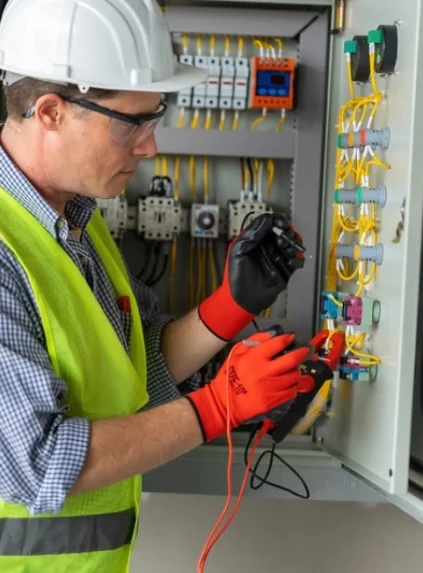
x,y
41,451
161,386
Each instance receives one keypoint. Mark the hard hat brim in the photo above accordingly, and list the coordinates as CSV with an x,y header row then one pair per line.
x,y
185,76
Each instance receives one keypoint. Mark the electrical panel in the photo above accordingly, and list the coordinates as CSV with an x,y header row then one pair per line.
x,y
249,141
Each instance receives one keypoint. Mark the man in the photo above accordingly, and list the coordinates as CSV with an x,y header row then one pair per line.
x,y
79,339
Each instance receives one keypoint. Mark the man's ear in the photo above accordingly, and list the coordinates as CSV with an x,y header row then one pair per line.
x,y
50,110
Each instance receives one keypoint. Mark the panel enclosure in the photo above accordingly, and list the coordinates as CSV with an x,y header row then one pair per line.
x,y
370,429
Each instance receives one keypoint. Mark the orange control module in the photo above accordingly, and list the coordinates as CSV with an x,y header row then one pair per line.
x,y
272,83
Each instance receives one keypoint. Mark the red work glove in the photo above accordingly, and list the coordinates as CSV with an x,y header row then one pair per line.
x,y
258,268
257,381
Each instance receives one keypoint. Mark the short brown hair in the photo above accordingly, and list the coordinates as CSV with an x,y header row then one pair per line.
x,y
22,95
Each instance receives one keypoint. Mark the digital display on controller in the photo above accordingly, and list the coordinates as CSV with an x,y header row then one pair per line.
x,y
277,80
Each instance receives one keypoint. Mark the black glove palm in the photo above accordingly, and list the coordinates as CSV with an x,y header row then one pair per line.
x,y
260,263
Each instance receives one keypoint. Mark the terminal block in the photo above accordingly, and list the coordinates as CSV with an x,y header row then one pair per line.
x,y
372,137
205,221
243,212
360,311
350,369
115,214
359,195
159,218
358,252
329,309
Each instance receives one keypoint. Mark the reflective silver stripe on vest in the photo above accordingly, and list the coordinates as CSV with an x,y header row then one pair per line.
x,y
61,535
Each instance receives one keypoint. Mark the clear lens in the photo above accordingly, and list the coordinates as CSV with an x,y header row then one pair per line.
x,y
128,135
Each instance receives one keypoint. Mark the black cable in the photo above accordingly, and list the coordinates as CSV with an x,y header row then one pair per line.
x,y
162,272
263,480
272,454
250,168
157,248
148,250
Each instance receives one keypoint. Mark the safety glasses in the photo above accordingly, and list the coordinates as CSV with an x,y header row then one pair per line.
x,y
125,129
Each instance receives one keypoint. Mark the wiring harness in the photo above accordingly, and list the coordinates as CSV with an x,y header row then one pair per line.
x,y
354,248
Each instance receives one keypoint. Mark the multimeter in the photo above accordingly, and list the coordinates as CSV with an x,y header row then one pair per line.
x,y
272,83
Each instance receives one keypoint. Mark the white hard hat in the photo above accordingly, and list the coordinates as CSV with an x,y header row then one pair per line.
x,y
106,44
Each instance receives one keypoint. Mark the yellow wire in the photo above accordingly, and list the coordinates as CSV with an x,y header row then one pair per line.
x,y
240,46
208,122
270,176
355,111
212,43
258,44
258,121
227,44
157,168
176,175
206,179
185,42
195,120
279,43
181,120
235,121
192,161
199,44
164,166
280,122
222,121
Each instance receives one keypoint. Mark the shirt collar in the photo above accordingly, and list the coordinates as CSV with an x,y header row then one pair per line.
x,y
78,210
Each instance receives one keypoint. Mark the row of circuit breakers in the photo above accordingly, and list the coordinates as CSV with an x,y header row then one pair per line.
x,y
238,83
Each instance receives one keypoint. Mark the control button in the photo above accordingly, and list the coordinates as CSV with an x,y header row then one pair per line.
x,y
262,91
272,92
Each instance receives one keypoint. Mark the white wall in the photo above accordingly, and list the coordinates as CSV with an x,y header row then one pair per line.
x,y
269,536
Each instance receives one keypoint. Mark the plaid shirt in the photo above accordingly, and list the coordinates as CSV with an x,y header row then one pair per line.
x,y
42,451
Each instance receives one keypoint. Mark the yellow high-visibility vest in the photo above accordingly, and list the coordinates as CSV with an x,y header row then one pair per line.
x,y
95,531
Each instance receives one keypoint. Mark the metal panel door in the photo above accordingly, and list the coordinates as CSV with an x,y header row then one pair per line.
x,y
370,427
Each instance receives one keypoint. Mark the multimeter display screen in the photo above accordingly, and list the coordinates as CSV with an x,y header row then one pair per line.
x,y
273,83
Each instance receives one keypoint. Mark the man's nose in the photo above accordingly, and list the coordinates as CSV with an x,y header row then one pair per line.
x,y
148,148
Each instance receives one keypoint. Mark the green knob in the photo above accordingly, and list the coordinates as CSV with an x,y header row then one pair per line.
x,y
350,47
375,37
